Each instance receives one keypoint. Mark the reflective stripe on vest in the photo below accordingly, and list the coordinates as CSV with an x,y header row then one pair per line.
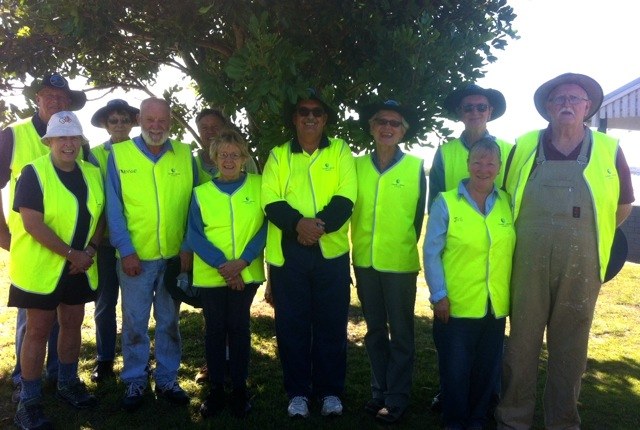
x,y
230,222
102,155
27,147
600,175
382,232
477,256
454,160
155,197
307,183
29,257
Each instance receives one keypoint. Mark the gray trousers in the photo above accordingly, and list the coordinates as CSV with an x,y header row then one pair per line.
x,y
388,302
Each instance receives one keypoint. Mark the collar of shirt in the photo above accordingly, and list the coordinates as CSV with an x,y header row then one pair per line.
x,y
463,138
396,157
39,125
489,203
552,154
140,143
295,144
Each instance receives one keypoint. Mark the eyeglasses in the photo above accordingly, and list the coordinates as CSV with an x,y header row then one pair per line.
x,y
115,121
232,156
573,100
305,111
481,107
392,122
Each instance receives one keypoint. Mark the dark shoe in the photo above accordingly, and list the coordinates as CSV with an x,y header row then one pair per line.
x,y
373,406
213,404
173,393
436,404
102,371
203,375
30,416
389,414
133,397
240,404
75,393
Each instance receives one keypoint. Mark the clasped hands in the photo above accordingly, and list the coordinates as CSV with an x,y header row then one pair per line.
x,y
230,271
309,231
80,261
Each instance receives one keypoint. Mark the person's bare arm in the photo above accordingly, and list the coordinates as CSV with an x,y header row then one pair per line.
x,y
622,213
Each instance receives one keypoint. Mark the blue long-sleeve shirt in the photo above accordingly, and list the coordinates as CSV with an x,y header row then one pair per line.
x,y
436,239
118,231
207,251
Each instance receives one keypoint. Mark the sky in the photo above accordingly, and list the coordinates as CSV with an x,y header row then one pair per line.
x,y
595,38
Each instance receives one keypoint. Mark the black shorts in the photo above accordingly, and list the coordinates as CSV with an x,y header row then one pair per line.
x,y
71,290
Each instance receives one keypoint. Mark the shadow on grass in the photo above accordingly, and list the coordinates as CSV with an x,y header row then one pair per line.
x,y
607,384
265,381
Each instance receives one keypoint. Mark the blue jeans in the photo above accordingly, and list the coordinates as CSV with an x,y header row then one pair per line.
x,y
52,348
138,293
470,360
311,302
105,310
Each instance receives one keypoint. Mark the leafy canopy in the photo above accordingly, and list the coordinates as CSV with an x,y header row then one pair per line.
x,y
249,57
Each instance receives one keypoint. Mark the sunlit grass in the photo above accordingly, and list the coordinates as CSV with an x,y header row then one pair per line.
x,y
610,393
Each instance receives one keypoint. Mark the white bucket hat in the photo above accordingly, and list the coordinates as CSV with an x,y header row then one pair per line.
x,y
64,123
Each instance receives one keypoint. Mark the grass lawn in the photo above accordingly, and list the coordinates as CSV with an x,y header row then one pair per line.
x,y
610,396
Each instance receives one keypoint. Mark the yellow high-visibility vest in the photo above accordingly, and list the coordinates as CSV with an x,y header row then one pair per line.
x,y
308,182
230,222
477,256
34,267
600,174
155,197
383,234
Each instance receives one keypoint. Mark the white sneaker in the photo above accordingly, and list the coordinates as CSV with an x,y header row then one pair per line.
x,y
298,407
331,405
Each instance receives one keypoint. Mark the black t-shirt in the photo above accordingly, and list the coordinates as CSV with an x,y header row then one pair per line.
x,y
29,195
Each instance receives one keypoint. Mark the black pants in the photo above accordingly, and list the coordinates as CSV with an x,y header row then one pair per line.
x,y
227,316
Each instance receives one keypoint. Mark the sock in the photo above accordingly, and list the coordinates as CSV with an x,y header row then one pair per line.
x,y
30,389
67,373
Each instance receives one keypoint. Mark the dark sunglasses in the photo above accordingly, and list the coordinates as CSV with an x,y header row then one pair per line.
x,y
304,111
481,107
114,121
392,122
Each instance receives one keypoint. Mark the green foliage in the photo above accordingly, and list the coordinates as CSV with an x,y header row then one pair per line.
x,y
253,56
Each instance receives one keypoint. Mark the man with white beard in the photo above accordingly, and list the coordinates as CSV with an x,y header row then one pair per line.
x,y
149,183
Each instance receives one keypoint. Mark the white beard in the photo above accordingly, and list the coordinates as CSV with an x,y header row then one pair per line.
x,y
149,141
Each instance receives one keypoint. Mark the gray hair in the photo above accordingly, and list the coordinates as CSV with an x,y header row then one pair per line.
x,y
486,145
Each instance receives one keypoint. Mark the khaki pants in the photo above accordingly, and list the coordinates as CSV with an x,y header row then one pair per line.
x,y
555,285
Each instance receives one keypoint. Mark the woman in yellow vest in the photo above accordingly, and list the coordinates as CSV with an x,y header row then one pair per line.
x,y
468,250
117,118
385,227
227,233
60,200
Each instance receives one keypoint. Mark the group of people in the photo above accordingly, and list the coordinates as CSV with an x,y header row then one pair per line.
x,y
525,231
101,222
